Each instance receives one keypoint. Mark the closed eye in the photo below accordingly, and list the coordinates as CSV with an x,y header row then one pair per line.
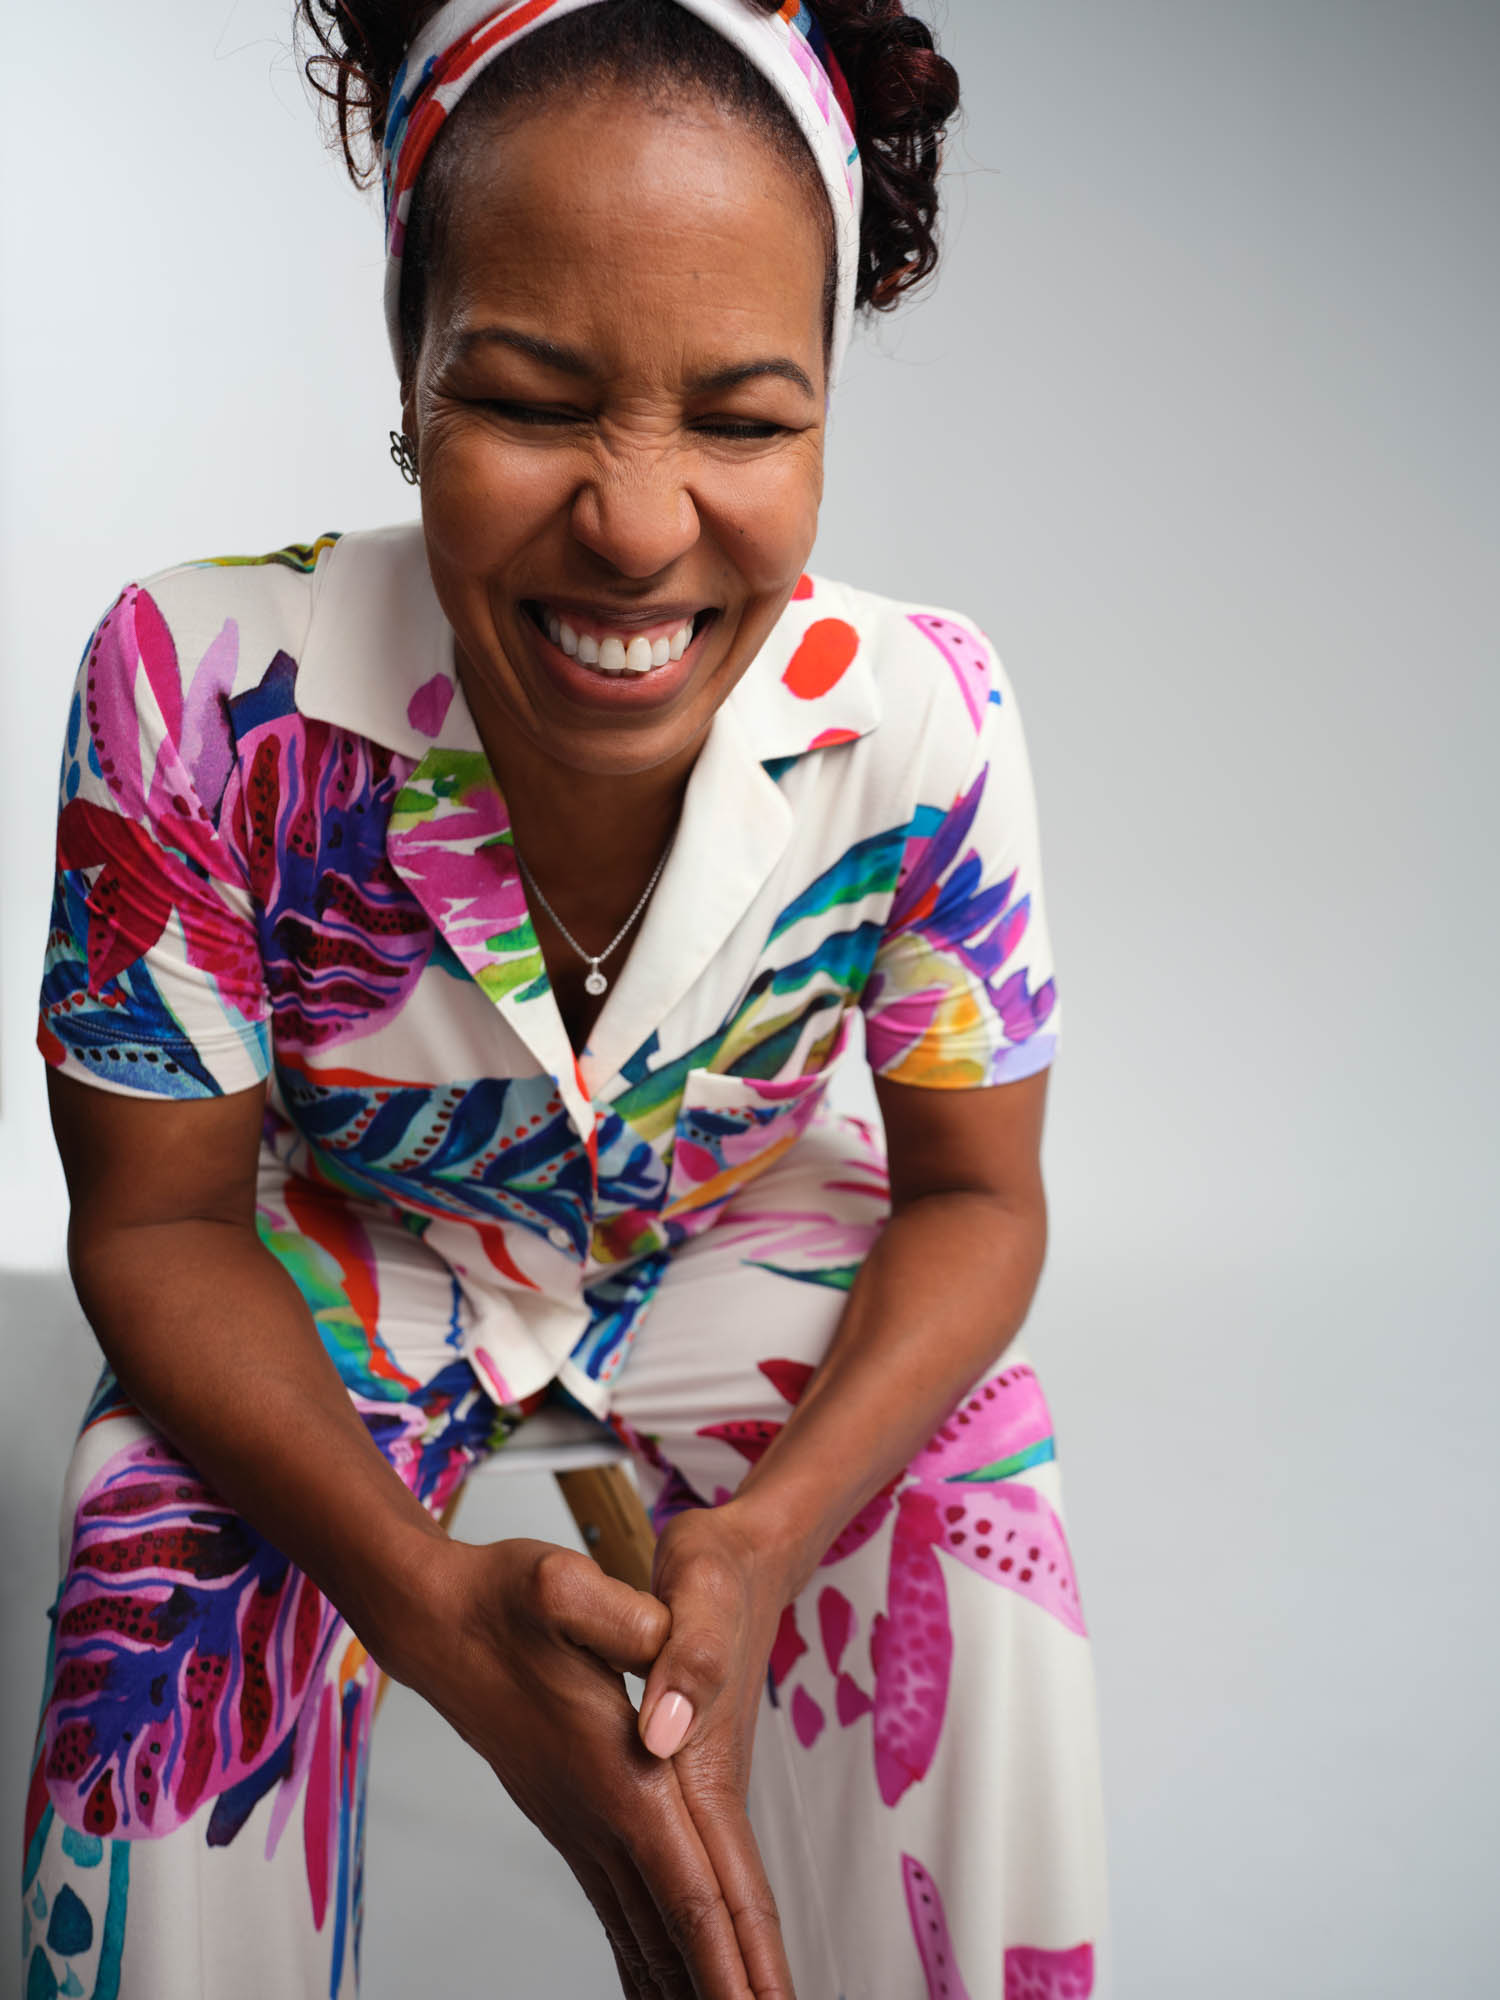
x,y
743,429
533,413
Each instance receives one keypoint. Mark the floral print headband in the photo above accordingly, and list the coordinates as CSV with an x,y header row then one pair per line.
x,y
464,37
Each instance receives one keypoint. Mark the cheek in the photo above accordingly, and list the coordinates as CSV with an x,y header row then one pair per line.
x,y
482,501
765,521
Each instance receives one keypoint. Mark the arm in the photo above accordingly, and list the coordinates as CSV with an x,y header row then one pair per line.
x,y
520,1645
214,1344
941,1295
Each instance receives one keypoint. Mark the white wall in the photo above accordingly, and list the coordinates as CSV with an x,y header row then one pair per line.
x,y
1201,424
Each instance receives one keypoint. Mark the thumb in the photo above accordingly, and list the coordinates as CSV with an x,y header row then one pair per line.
x,y
624,1628
688,1677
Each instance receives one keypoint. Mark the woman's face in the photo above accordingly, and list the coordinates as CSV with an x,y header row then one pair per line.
x,y
618,403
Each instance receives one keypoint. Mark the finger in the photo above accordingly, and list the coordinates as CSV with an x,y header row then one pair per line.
x,y
663,1964
636,1981
723,1824
573,1597
668,1854
691,1669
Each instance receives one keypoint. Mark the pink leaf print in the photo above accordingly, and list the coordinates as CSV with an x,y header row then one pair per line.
x,y
1010,1534
128,905
207,742
807,1718
864,1524
912,1652
158,657
836,1622
851,1701
749,1436
788,1378
1032,1974
929,1923
318,1825
1002,1417
428,708
964,653
789,1647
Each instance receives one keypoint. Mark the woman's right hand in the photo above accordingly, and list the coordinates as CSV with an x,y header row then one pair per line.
x,y
522,1645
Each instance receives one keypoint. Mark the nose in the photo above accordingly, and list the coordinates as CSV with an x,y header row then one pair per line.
x,y
635,512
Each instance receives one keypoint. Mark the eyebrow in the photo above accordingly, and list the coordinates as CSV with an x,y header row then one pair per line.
x,y
731,378
569,361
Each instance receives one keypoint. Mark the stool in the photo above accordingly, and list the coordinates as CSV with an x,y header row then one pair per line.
x,y
590,1466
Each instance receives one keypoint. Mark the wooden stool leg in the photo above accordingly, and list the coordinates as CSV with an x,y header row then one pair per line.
x,y
615,1527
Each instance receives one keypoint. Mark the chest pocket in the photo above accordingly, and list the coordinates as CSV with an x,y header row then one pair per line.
x,y
731,1128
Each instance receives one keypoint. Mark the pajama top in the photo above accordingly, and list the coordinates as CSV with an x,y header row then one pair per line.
x,y
283,858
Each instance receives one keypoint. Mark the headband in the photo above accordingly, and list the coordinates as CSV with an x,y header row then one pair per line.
x,y
464,37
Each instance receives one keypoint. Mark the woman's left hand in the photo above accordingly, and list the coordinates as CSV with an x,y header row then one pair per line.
x,y
726,1593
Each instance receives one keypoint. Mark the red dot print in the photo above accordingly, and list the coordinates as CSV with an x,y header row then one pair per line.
x,y
822,659
804,589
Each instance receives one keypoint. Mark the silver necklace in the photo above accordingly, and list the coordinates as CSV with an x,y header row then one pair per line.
x,y
596,982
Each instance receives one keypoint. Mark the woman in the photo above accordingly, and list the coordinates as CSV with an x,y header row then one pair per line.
x,y
455,931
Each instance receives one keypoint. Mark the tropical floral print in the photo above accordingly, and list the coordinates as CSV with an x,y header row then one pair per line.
x,y
282,854
195,1673
170,1600
284,863
1030,1973
448,821
962,1497
909,1725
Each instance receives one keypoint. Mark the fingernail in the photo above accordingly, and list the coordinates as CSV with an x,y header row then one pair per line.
x,y
671,1719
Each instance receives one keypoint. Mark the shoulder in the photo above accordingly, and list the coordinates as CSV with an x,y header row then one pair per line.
x,y
257,606
913,685
921,654
167,666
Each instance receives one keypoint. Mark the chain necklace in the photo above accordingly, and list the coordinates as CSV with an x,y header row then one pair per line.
x,y
596,982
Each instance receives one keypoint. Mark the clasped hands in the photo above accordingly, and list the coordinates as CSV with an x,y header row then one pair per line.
x,y
523,1646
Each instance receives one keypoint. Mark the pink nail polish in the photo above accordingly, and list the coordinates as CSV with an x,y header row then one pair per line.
x,y
670,1721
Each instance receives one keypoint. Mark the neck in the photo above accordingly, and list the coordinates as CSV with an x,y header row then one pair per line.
x,y
583,834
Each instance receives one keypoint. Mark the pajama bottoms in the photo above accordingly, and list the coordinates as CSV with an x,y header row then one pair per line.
x,y
926,1783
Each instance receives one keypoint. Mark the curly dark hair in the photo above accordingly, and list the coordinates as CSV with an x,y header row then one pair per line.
x,y
904,96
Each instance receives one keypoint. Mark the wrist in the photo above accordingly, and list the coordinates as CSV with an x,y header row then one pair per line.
x,y
393,1593
785,1544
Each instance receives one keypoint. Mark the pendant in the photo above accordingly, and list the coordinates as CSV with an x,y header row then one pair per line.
x,y
596,982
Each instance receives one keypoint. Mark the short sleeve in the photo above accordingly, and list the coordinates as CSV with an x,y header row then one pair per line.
x,y
962,992
152,984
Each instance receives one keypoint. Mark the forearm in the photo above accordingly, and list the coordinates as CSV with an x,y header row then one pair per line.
x,y
944,1291
214,1344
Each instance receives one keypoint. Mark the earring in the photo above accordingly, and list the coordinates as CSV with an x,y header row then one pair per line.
x,y
404,456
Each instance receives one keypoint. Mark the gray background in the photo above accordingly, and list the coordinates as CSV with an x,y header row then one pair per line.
x,y
1200,422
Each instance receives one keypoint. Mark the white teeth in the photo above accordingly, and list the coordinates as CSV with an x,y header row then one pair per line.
x,y
617,654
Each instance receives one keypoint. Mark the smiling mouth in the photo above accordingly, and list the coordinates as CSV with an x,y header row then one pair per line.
x,y
608,648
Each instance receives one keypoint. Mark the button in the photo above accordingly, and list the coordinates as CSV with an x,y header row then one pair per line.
x,y
559,1238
